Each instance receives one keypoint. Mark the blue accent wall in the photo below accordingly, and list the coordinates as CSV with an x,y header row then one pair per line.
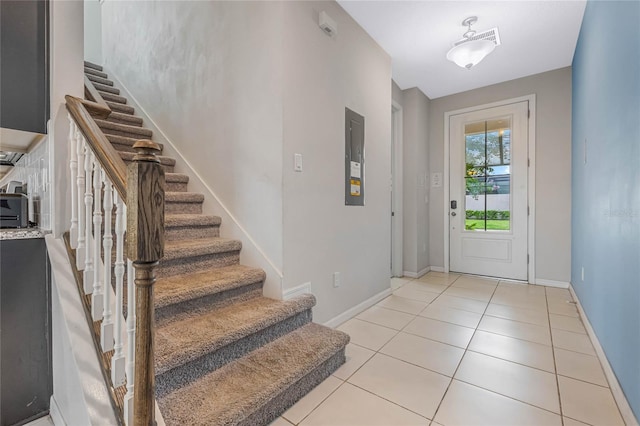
x,y
606,190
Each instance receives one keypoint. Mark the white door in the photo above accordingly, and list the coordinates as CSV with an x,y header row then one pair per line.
x,y
488,191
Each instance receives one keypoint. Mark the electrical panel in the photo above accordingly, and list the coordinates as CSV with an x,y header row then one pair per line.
x,y
354,159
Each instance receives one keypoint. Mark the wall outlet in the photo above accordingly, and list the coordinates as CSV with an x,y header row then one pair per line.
x,y
582,273
337,280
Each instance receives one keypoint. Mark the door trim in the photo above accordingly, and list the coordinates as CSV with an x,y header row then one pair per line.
x,y
531,178
397,173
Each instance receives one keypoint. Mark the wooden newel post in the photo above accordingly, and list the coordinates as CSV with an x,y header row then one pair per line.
x,y
145,247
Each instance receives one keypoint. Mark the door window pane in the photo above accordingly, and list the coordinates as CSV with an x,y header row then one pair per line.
x,y
488,175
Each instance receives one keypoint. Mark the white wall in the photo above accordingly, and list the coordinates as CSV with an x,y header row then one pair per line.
x,y
415,133
66,68
324,75
210,74
93,31
553,165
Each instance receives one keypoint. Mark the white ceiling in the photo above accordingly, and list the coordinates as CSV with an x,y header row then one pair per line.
x,y
536,36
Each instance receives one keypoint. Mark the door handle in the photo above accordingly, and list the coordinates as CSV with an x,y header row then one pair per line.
x,y
453,213
454,204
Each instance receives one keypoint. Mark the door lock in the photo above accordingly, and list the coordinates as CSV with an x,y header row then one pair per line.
x,y
453,213
454,204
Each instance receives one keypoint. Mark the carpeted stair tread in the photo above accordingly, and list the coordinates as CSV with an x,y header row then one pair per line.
x,y
165,161
91,65
96,79
191,220
106,88
131,120
183,341
181,288
112,98
126,143
177,178
181,249
97,73
183,197
134,131
122,108
235,393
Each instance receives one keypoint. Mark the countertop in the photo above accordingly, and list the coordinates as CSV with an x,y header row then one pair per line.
x,y
21,233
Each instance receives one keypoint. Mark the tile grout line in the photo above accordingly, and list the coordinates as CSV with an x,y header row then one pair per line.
x,y
555,364
463,354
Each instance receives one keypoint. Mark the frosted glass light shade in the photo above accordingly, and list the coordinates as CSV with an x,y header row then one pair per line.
x,y
470,53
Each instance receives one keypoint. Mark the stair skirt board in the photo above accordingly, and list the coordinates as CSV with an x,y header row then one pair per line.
x,y
200,284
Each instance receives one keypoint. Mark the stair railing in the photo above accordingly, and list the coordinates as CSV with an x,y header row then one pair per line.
x,y
103,186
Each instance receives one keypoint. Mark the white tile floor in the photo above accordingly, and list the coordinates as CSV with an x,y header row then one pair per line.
x,y
450,350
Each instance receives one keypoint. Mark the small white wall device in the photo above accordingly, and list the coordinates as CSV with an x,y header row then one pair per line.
x,y
327,24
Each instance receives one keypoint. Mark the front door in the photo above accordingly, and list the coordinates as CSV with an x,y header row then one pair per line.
x,y
488,191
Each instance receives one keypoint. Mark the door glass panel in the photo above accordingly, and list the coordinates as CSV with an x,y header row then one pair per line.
x,y
488,175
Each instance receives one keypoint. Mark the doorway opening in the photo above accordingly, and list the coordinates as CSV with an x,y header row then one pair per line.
x,y
396,190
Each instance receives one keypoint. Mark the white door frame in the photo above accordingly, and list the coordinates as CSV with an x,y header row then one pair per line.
x,y
531,178
396,173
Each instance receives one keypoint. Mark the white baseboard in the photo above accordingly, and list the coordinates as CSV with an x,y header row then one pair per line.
x,y
416,274
437,268
350,313
618,394
290,293
55,414
552,283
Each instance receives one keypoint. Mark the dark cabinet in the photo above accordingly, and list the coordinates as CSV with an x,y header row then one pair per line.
x,y
25,331
24,65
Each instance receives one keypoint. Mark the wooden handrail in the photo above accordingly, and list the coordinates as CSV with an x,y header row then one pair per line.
x,y
99,107
107,155
141,186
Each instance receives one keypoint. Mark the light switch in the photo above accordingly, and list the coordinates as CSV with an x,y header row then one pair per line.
x,y
436,180
297,162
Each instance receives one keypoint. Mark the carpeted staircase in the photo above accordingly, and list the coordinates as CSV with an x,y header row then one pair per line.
x,y
225,355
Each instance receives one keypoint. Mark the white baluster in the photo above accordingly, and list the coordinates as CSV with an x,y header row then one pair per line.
x,y
106,334
97,302
118,361
87,277
81,250
131,344
73,165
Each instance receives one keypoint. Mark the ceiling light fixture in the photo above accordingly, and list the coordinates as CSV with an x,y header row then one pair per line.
x,y
470,50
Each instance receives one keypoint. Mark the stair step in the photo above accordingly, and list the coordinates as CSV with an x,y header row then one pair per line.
x,y
131,120
190,294
106,88
124,143
189,256
125,130
183,203
94,72
97,73
112,98
175,182
125,109
167,163
211,339
96,79
190,226
256,389
91,65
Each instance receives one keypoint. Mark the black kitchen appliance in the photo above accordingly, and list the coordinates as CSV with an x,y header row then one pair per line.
x,y
14,211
